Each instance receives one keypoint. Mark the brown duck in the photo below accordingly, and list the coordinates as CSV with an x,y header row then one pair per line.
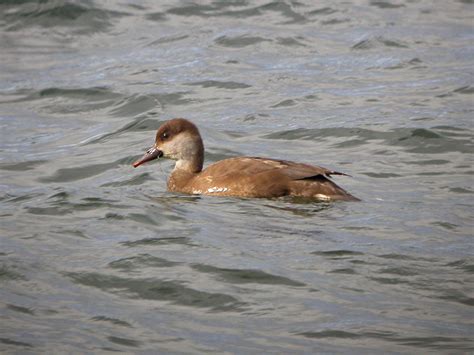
x,y
179,139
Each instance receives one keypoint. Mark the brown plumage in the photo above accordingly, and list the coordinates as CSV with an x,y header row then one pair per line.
x,y
179,139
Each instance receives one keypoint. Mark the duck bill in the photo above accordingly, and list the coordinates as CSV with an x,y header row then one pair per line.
x,y
151,154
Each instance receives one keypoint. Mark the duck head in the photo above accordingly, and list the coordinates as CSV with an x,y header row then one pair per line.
x,y
177,139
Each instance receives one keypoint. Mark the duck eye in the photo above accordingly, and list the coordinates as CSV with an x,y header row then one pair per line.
x,y
164,135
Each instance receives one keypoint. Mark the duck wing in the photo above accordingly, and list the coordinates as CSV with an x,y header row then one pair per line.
x,y
252,166
296,171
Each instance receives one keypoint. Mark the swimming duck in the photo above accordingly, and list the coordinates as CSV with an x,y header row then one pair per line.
x,y
180,140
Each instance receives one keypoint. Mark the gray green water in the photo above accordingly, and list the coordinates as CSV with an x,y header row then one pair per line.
x,y
96,256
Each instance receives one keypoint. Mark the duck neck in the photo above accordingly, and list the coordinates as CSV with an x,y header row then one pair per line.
x,y
191,157
186,169
191,166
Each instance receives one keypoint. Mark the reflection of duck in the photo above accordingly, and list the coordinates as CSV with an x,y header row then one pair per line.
x,y
179,139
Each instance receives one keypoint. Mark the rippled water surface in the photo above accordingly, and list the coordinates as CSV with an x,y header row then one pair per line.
x,y
97,257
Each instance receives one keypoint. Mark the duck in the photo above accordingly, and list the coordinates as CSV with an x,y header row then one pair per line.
x,y
248,177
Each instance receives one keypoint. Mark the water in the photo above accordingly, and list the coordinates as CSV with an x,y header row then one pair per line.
x,y
97,257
